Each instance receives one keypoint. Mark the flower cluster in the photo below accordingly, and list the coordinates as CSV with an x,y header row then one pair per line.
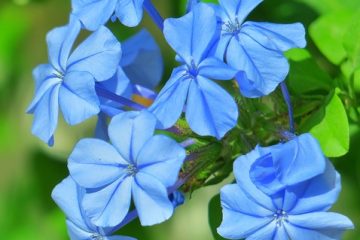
x,y
132,167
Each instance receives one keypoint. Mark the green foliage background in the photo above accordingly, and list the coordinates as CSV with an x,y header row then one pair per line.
x,y
324,82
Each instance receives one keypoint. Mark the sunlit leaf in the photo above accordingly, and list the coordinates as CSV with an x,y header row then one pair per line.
x,y
328,32
333,130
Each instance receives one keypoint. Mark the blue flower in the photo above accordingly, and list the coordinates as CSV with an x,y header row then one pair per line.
x,y
68,196
210,110
255,48
137,166
298,211
95,13
69,79
278,167
138,74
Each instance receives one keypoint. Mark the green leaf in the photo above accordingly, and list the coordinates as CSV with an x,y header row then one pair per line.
x,y
215,216
328,32
333,130
305,74
357,80
351,41
326,6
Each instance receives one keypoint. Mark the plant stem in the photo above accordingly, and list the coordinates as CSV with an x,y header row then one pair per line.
x,y
102,92
154,14
287,99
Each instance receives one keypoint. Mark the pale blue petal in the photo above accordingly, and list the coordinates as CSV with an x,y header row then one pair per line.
x,y
263,69
142,60
162,158
239,9
95,163
78,233
68,196
100,49
129,131
93,13
277,37
60,42
41,73
318,194
281,234
108,206
77,97
191,36
118,84
42,90
210,110
318,225
236,225
151,200
267,232
170,102
215,68
242,167
234,198
282,165
46,115
129,12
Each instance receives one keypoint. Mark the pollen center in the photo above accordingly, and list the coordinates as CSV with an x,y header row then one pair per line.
x,y
59,74
97,236
280,217
232,27
131,169
192,71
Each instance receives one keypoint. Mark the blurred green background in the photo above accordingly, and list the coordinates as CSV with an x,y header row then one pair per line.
x,y
29,169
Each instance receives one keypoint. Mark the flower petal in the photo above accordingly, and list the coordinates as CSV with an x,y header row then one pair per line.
x,y
191,36
263,69
239,9
278,37
60,42
94,163
130,12
279,165
142,61
43,88
241,171
210,110
170,102
233,198
129,131
318,225
78,233
41,73
162,158
318,194
267,232
108,206
93,14
216,69
151,200
100,49
68,196
236,225
77,97
46,115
